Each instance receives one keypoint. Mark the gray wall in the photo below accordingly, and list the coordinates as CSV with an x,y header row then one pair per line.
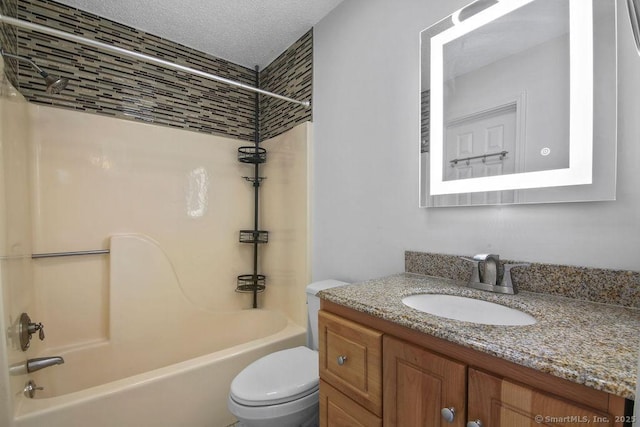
x,y
366,142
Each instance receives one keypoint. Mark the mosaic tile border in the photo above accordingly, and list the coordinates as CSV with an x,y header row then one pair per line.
x,y
425,109
290,74
9,39
106,84
618,287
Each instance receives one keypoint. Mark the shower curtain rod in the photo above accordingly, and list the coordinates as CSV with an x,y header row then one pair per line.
x,y
141,56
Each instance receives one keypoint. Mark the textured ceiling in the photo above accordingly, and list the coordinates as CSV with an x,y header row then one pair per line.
x,y
246,32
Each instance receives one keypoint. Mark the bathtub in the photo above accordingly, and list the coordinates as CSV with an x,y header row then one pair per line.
x,y
171,365
88,390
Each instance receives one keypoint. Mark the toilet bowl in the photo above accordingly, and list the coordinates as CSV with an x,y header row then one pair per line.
x,y
281,389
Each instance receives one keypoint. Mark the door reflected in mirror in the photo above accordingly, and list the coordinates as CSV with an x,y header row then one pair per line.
x,y
510,90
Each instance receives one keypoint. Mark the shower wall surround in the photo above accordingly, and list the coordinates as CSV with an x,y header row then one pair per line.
x,y
105,84
182,189
17,291
65,186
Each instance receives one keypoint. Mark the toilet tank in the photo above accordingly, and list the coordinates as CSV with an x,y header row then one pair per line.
x,y
313,306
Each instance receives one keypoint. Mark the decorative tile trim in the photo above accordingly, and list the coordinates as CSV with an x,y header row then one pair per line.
x,y
290,74
9,40
425,109
618,287
106,84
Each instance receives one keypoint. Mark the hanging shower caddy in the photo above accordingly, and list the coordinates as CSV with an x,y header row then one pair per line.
x,y
254,282
253,155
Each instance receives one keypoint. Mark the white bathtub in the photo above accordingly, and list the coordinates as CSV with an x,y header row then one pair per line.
x,y
165,362
88,390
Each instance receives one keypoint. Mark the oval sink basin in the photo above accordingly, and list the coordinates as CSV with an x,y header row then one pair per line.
x,y
468,310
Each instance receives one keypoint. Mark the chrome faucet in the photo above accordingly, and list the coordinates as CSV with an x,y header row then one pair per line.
x,y
488,278
489,274
43,362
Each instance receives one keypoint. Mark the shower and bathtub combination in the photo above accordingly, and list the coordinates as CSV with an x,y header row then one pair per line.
x,y
166,362
164,359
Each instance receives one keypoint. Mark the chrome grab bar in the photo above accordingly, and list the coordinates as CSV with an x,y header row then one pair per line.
x,y
75,253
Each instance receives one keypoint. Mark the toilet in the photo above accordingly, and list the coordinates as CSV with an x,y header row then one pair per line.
x,y
281,389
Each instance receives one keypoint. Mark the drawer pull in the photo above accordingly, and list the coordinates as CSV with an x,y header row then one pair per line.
x,y
448,414
342,360
476,423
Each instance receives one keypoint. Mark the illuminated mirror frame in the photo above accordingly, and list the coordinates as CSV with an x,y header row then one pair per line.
x,y
580,101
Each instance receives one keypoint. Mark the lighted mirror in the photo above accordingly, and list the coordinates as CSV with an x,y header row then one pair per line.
x,y
519,103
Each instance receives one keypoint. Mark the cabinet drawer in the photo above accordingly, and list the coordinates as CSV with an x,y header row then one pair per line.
x,y
351,359
337,410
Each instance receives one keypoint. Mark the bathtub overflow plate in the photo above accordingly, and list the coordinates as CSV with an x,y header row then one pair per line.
x,y
30,389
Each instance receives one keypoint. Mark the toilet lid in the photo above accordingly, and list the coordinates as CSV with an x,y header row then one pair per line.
x,y
279,377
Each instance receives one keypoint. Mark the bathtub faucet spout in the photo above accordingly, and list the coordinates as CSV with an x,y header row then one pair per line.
x,y
43,362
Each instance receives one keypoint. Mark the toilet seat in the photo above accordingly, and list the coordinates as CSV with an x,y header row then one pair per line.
x,y
280,377
300,409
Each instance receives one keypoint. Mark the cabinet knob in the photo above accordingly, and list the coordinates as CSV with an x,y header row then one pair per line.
x,y
448,414
341,360
476,423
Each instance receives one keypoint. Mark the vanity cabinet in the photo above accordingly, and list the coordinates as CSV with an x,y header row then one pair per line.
x,y
385,374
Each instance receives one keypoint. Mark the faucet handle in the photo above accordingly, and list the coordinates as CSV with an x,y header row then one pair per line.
x,y
26,328
506,277
33,327
475,271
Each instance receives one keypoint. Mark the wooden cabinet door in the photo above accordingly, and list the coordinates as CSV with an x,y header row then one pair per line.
x,y
498,402
337,410
418,384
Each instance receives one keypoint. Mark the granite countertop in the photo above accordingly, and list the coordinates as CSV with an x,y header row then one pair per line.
x,y
588,343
